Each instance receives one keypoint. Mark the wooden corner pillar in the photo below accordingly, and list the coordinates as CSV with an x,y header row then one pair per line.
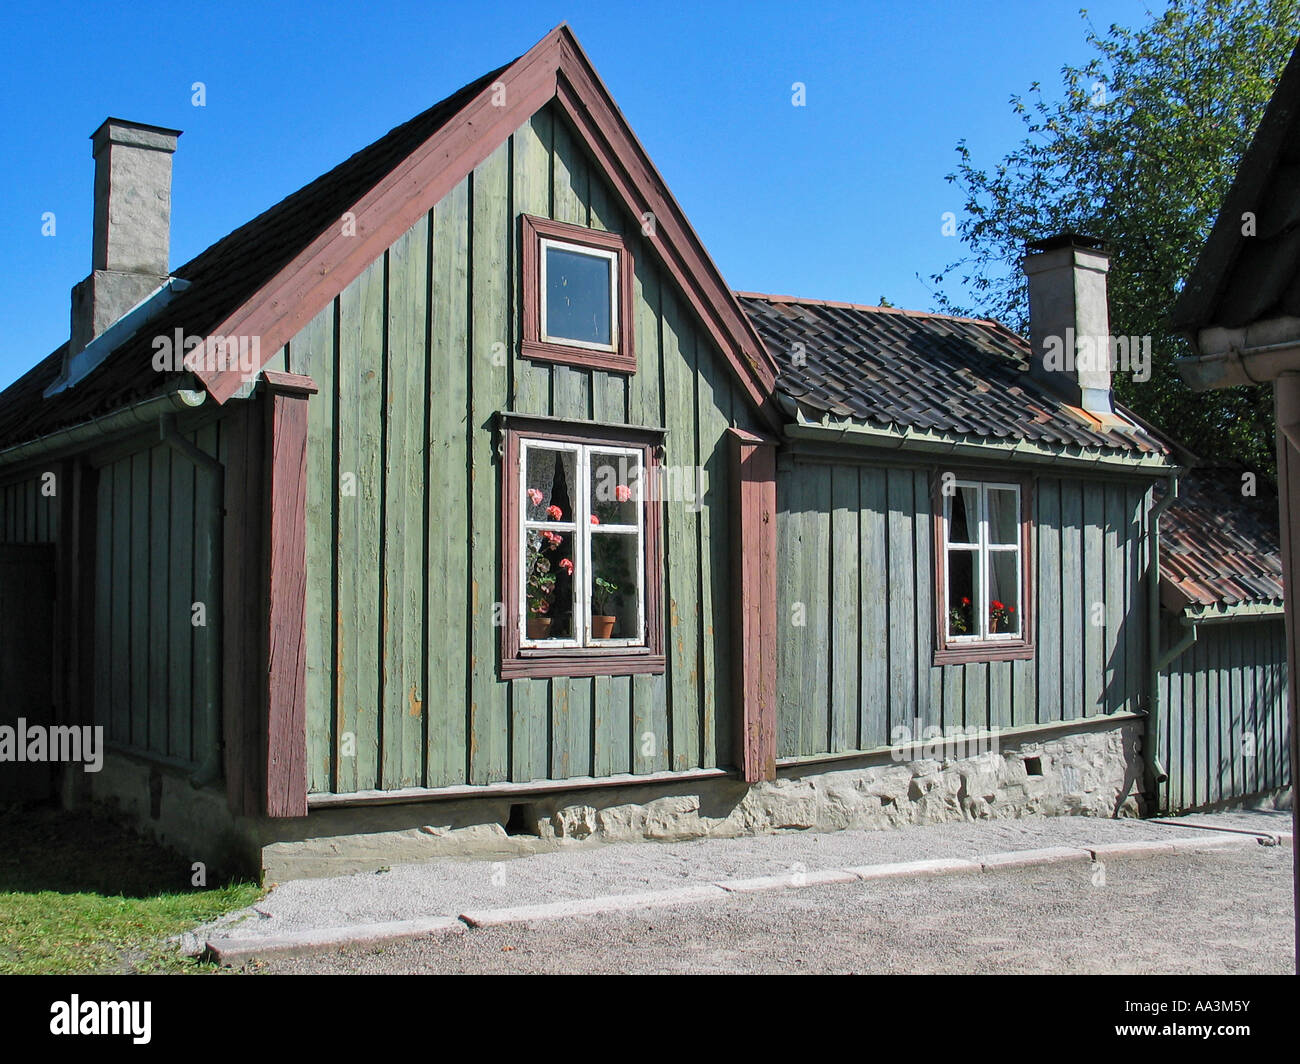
x,y
753,561
285,645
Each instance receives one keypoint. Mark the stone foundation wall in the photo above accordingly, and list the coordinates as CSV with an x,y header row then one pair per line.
x,y
1089,773
1092,769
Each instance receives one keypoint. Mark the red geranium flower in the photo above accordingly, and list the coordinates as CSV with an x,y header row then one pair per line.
x,y
554,512
535,496
595,520
567,565
622,492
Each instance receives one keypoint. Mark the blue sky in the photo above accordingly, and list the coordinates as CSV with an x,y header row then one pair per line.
x,y
840,199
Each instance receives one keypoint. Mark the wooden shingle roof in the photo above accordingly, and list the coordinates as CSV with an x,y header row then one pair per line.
x,y
911,369
222,277
1219,547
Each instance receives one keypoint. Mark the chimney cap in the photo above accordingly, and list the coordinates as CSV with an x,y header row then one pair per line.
x,y
139,134
1069,239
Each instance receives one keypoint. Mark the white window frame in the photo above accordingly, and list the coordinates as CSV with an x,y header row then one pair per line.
x,y
982,547
611,258
581,531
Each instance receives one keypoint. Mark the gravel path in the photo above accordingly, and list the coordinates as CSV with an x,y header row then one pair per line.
x,y
452,886
1226,911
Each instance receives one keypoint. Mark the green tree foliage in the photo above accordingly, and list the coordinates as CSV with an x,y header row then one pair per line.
x,y
1140,149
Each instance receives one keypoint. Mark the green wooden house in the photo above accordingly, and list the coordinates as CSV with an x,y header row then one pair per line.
x,y
456,504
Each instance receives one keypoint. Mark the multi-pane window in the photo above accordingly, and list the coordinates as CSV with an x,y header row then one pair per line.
x,y
983,566
582,577
581,573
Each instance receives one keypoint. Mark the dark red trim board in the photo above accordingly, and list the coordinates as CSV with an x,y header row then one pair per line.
x,y
753,465
286,645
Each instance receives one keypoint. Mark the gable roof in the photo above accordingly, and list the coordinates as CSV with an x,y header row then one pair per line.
x,y
271,276
1239,279
911,369
227,274
1218,547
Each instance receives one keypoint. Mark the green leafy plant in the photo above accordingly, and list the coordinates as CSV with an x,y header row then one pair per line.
x,y
602,591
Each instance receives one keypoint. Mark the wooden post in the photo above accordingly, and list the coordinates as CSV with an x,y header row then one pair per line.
x,y
1286,399
753,469
286,613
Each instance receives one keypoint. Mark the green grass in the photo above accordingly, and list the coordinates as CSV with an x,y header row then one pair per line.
x,y
81,893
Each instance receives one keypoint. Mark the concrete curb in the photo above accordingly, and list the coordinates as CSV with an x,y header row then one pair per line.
x,y
230,951
608,903
1048,855
941,866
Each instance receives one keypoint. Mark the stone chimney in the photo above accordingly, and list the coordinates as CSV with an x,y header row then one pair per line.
x,y
133,196
1069,321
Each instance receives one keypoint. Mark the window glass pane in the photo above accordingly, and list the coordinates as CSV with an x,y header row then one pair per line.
x,y
549,485
1004,596
963,577
549,574
615,484
964,526
577,296
1004,516
613,586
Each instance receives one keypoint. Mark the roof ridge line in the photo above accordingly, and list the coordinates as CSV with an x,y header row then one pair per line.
x,y
772,298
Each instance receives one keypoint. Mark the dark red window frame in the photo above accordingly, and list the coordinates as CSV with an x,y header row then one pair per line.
x,y
954,653
537,662
532,346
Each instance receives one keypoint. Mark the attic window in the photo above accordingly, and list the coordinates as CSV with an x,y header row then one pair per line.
x,y
577,295
982,554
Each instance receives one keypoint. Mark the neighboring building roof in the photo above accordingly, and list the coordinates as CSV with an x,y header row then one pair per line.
x,y
222,277
1240,279
911,369
1219,547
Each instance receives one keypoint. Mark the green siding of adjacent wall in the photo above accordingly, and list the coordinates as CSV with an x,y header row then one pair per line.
x,y
856,614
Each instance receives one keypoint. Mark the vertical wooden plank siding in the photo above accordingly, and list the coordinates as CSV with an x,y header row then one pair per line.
x,y
446,638
359,442
421,353
855,555
403,588
845,628
873,562
490,333
312,354
1225,704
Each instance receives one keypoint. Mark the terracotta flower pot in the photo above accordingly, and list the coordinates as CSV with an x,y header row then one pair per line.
x,y
539,627
602,626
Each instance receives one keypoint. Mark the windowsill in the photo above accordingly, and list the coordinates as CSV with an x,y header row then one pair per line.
x,y
585,357
537,663
973,653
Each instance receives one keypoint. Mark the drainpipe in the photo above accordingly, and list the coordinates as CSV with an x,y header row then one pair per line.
x,y
1156,773
206,561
